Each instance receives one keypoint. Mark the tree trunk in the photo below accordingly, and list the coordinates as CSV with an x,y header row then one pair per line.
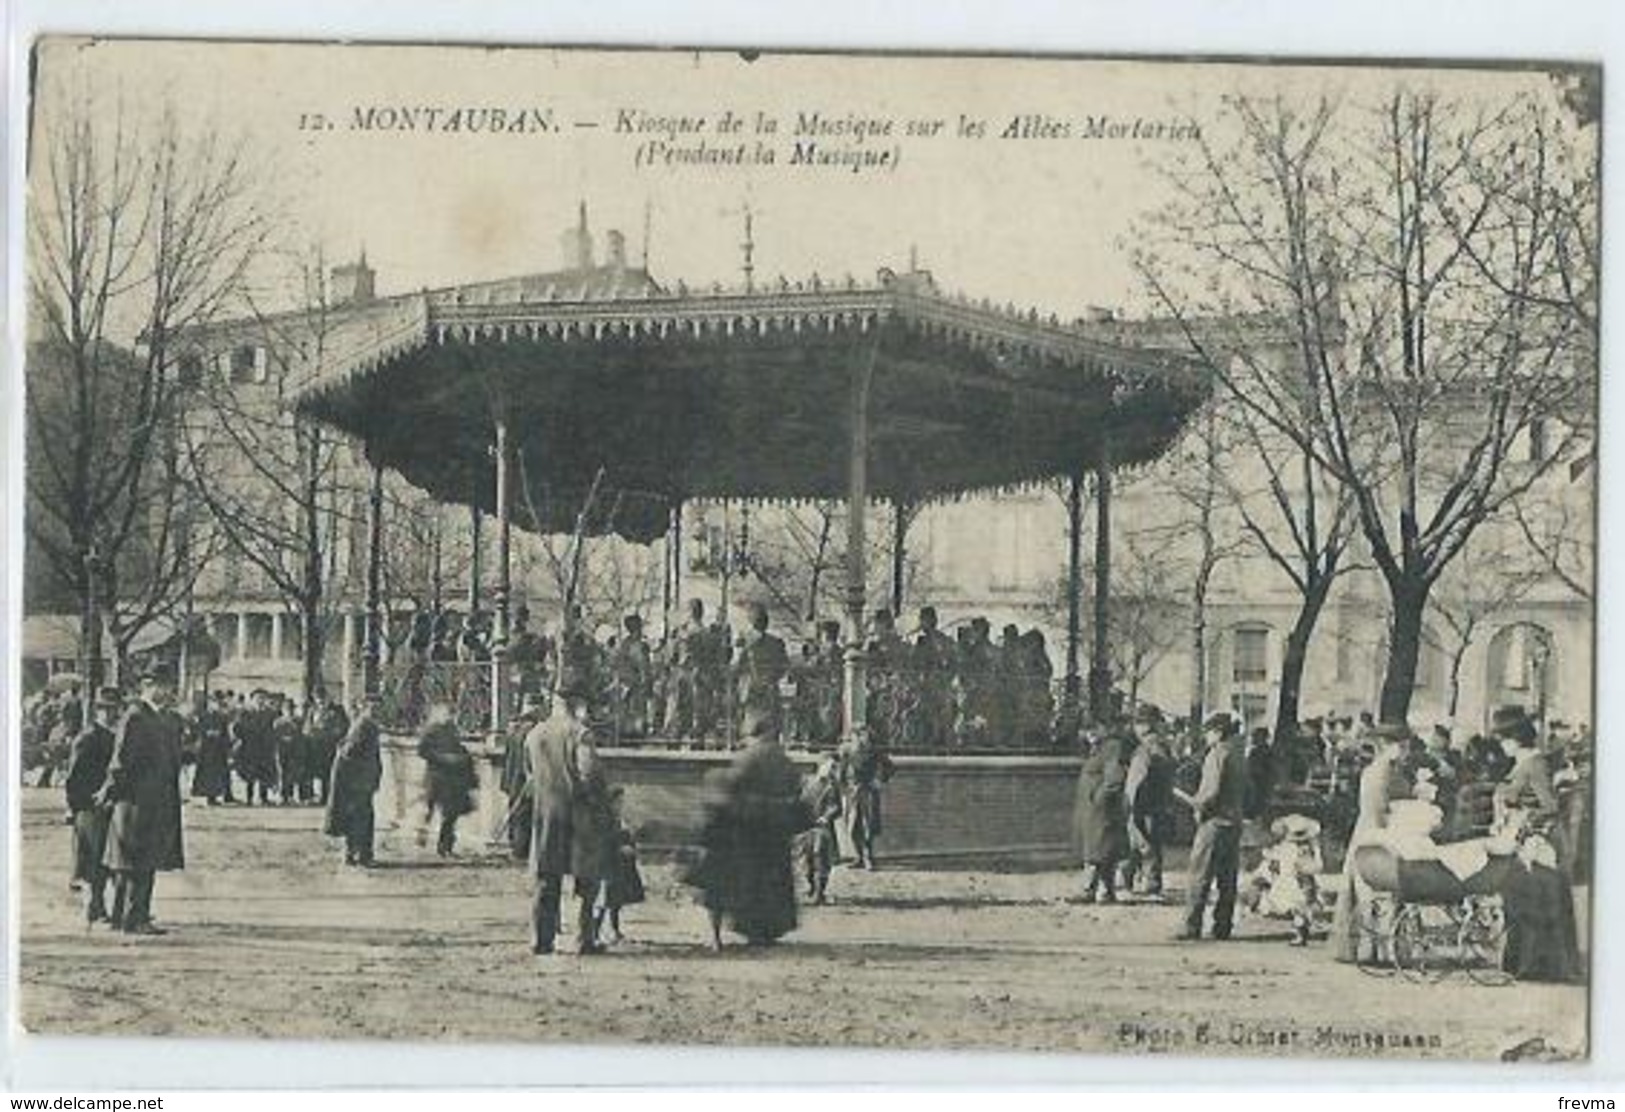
x,y
1409,599
1456,660
1294,656
90,633
1198,701
818,563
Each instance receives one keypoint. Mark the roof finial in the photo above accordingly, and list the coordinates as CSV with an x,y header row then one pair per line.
x,y
646,222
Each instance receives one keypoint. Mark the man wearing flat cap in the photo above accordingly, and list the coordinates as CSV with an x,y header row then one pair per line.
x,y
92,752
144,790
1216,849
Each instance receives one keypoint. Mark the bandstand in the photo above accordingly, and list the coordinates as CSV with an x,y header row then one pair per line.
x,y
643,398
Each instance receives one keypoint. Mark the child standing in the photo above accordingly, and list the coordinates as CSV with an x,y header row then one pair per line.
x,y
815,847
625,884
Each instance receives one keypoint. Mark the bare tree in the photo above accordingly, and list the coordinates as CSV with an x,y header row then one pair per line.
x,y
792,550
272,478
1149,611
1480,584
137,231
1411,258
1197,476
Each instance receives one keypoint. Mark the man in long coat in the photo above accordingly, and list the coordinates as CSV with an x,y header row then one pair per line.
x,y
92,752
143,787
211,780
254,747
562,760
356,773
330,724
1100,820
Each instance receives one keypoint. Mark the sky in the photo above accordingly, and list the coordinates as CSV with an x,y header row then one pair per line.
x,y
1043,222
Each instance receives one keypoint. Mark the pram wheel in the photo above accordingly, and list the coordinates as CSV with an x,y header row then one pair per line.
x,y
1375,945
1413,944
1481,938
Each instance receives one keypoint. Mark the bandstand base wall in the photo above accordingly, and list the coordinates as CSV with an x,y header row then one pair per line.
x,y
1013,809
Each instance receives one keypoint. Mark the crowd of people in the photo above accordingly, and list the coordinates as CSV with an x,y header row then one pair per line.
x,y
1144,782
242,747
1516,786
927,691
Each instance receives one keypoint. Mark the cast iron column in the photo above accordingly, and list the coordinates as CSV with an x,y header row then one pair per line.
x,y
1074,598
502,596
856,703
474,520
1100,673
372,648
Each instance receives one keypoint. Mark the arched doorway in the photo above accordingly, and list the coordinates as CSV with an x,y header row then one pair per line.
x,y
1521,670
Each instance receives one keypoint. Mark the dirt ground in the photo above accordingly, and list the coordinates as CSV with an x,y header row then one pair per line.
x,y
271,936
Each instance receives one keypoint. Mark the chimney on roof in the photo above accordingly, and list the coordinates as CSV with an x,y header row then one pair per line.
x,y
352,283
615,250
578,243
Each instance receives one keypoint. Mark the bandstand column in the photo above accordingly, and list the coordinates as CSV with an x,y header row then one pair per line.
x,y
855,702
901,511
1100,673
372,659
674,571
503,593
1074,597
475,517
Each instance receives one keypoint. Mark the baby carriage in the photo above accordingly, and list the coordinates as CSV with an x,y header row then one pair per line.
x,y
1425,909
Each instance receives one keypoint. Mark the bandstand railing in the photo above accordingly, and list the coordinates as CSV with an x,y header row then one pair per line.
x,y
408,691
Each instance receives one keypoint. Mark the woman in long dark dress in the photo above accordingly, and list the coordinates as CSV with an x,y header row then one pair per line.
x,y
753,810
1542,942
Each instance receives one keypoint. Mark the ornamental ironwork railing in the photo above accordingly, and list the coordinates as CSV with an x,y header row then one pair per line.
x,y
407,693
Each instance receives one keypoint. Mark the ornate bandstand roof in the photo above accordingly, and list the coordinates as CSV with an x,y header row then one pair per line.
x,y
665,394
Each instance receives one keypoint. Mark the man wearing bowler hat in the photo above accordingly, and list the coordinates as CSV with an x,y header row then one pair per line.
x,y
559,751
144,790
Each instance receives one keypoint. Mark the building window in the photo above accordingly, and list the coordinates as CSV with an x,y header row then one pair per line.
x,y
1249,655
1252,708
1538,447
293,637
247,365
257,645
223,628
189,372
